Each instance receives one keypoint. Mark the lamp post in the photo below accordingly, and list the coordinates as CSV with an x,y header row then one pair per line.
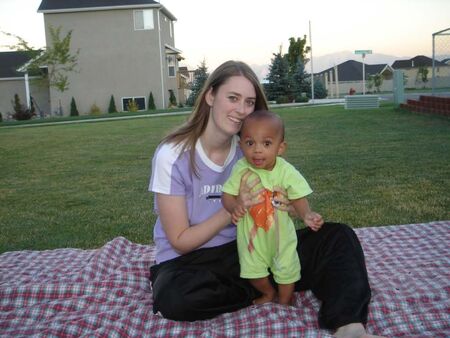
x,y
363,54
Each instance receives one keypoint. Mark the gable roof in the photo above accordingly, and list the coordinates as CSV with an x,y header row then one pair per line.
x,y
415,62
66,6
351,70
11,61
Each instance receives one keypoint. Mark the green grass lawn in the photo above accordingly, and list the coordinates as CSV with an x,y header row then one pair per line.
x,y
81,185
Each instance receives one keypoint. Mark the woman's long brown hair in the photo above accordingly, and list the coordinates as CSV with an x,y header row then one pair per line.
x,y
188,133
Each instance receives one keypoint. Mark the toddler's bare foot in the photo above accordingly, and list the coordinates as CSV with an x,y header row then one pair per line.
x,y
289,301
265,298
353,330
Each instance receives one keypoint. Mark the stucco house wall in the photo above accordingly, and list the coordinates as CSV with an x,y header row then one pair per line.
x,y
115,57
10,87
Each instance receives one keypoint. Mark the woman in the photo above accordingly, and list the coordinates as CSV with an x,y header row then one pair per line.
x,y
196,275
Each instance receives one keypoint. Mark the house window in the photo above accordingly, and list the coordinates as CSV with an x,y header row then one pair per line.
x,y
171,65
138,100
143,19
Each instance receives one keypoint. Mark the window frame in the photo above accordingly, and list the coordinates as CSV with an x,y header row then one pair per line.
x,y
147,24
127,98
171,64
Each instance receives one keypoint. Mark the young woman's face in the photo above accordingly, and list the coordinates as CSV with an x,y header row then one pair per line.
x,y
261,142
231,103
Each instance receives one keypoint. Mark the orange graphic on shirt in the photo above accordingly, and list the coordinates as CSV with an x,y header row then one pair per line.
x,y
262,215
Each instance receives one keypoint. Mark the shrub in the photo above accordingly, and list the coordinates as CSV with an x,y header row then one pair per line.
x,y
283,99
301,98
73,108
20,112
112,105
1,118
319,91
172,99
95,110
132,106
151,102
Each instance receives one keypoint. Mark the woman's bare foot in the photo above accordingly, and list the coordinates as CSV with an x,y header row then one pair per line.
x,y
353,330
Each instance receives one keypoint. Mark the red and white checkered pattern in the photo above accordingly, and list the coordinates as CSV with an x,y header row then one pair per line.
x,y
106,292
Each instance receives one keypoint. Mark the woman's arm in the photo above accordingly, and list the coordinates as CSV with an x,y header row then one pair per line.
x,y
174,219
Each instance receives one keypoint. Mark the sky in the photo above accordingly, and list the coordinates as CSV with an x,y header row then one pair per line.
x,y
252,30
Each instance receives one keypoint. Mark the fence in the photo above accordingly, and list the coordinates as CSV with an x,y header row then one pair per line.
x,y
441,54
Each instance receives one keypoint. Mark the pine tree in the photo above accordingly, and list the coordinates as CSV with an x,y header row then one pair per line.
x,y
279,85
73,108
200,77
300,80
172,99
112,105
151,102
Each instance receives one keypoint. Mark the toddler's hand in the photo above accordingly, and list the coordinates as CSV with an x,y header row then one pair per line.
x,y
313,220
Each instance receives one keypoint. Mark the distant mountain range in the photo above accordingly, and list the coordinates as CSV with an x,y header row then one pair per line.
x,y
323,62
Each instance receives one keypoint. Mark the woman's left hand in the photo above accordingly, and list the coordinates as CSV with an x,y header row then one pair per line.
x,y
249,195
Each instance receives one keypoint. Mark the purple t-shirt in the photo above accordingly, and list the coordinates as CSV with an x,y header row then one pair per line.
x,y
172,175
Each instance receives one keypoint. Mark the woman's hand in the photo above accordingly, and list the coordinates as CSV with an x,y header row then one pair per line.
x,y
237,214
248,195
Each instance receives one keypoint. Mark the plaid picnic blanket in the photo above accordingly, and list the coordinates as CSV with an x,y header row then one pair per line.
x,y
106,292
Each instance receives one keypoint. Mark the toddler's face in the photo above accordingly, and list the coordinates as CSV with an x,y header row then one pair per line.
x,y
261,142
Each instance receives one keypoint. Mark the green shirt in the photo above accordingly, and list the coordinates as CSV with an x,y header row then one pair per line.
x,y
272,246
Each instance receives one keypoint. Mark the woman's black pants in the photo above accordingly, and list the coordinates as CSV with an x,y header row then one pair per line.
x,y
206,282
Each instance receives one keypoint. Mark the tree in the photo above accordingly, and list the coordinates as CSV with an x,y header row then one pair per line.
x,y
200,77
151,102
279,86
57,58
112,105
300,80
297,51
375,80
319,91
172,99
73,108
287,78
423,74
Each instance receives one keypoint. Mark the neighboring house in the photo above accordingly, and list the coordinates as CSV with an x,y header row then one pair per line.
x,y
338,80
126,49
13,82
413,78
185,80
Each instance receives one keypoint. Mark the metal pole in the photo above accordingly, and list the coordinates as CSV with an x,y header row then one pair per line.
x,y
27,90
433,72
312,68
364,75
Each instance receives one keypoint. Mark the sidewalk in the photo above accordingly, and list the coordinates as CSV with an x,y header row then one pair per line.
x,y
316,102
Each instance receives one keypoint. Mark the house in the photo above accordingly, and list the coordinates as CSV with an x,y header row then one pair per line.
x,y
338,80
126,49
185,80
12,82
412,69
